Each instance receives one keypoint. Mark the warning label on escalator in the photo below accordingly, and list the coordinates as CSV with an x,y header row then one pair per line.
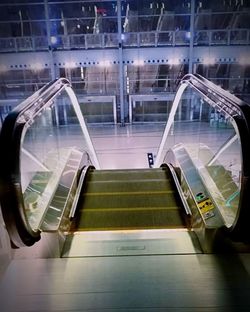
x,y
205,205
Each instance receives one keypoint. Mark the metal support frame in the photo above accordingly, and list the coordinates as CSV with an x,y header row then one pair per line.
x,y
120,58
159,157
191,42
51,56
78,112
222,149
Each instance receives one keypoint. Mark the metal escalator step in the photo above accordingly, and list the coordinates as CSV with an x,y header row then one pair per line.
x,y
98,209
130,219
129,193
125,171
130,199
127,186
136,174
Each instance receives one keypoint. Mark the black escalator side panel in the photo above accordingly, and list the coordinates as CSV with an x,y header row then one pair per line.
x,y
11,197
240,230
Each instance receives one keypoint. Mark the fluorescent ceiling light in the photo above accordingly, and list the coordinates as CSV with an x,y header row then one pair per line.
x,y
138,63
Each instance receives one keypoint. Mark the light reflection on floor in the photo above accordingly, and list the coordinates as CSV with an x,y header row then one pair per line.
x,y
125,147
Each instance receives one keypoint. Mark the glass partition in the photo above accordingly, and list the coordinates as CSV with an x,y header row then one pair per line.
x,y
209,136
52,151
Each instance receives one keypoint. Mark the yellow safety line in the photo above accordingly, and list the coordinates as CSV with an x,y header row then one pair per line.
x,y
163,179
128,193
129,228
128,209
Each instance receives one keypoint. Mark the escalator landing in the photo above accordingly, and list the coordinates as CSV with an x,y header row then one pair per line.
x,y
129,212
130,243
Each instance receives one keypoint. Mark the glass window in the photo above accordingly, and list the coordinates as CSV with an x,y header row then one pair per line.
x,y
222,6
149,7
22,12
82,9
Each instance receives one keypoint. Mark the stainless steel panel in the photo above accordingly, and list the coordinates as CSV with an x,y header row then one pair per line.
x,y
140,283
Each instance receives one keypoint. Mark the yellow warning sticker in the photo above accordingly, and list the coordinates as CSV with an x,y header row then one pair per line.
x,y
206,207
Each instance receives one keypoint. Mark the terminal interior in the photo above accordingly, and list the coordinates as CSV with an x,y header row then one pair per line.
x,y
124,164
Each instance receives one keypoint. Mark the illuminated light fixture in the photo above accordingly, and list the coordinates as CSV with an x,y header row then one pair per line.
x,y
3,68
188,35
70,65
244,60
104,63
138,63
174,61
37,66
208,61
53,39
78,26
82,74
122,36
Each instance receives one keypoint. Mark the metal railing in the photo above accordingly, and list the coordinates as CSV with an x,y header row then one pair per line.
x,y
130,39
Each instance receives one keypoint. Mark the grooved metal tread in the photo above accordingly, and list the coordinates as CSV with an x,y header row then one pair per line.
x,y
128,199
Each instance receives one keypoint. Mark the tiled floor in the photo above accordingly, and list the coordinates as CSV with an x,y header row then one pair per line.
x,y
125,146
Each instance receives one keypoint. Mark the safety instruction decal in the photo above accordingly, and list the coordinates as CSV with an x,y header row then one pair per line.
x,y
205,205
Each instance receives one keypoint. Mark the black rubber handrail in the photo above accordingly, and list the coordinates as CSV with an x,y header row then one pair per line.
x,y
11,198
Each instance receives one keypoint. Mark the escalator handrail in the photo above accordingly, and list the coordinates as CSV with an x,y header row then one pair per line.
x,y
215,93
40,99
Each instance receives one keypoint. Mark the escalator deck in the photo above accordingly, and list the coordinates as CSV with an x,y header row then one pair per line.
x,y
128,200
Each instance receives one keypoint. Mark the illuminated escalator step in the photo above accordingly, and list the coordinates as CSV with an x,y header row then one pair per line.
x,y
130,219
128,199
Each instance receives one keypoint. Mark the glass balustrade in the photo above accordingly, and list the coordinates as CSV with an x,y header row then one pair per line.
x,y
52,150
208,136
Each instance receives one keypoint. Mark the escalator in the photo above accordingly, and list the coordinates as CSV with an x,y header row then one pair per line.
x,y
128,200
53,191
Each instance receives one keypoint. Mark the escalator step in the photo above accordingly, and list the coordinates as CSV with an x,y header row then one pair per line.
x,y
130,219
129,199
127,186
114,175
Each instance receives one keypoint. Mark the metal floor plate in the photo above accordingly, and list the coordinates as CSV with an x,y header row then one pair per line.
x,y
155,283
125,243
